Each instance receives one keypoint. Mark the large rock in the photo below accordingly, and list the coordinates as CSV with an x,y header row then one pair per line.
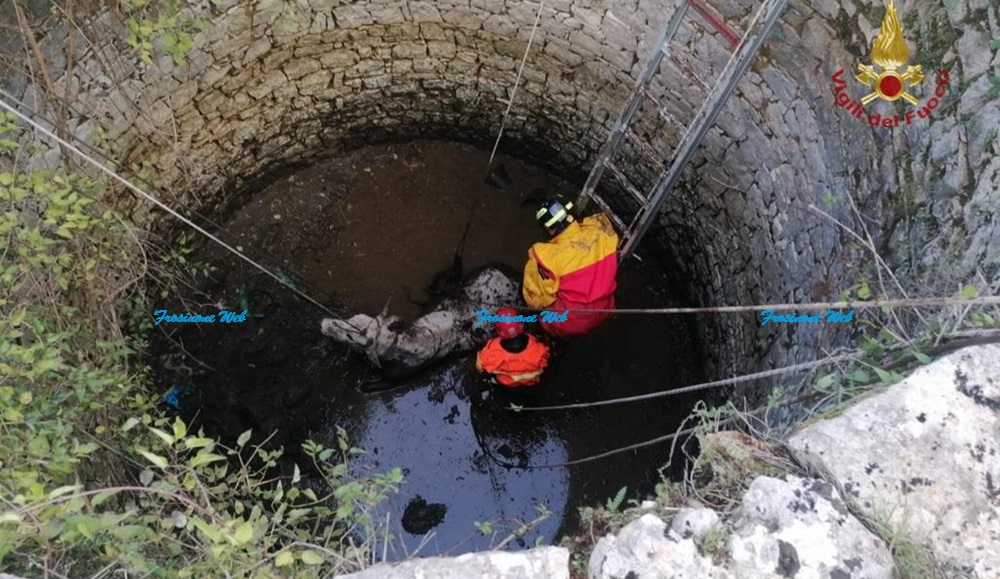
x,y
802,529
646,548
694,523
541,563
799,528
924,456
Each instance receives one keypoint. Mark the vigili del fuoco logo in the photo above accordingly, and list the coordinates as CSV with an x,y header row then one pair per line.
x,y
885,81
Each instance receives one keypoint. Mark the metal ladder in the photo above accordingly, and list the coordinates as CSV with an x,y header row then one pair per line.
x,y
633,228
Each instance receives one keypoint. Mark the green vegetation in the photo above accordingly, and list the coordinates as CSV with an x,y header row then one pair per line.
x,y
609,517
736,445
92,477
912,559
596,522
994,86
578,565
484,527
519,528
615,503
162,26
714,544
728,462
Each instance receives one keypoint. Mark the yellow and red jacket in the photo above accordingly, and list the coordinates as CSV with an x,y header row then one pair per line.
x,y
522,368
576,270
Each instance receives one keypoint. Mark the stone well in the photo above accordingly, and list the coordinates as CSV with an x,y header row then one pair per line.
x,y
272,83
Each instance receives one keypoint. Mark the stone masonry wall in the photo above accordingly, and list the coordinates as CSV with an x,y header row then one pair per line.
x,y
273,82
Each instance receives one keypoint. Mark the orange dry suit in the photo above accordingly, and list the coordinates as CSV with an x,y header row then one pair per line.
x,y
511,369
576,270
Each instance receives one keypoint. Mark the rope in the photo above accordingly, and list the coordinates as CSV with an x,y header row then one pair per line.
x,y
908,302
696,387
99,155
940,349
635,446
991,339
658,439
510,102
460,249
156,201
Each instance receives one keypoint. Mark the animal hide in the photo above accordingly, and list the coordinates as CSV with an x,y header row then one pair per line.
x,y
448,328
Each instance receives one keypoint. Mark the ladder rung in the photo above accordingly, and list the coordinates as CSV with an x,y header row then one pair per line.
x,y
604,206
645,149
635,221
663,112
704,120
627,183
690,69
686,69
717,22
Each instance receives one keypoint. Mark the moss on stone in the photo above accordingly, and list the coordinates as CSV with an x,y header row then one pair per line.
x,y
846,28
936,38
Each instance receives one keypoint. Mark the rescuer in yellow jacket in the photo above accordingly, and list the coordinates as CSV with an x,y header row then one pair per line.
x,y
574,270
514,358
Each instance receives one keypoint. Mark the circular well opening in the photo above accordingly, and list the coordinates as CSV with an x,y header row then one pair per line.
x,y
370,228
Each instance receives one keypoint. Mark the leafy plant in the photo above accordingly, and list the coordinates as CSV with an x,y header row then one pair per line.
x,y
668,491
714,543
92,478
578,563
220,517
864,292
163,25
616,502
484,527
969,291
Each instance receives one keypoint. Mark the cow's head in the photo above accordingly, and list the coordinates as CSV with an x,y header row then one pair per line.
x,y
356,331
364,333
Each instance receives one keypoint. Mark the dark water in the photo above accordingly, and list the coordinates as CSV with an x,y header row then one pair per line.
x,y
456,448
456,445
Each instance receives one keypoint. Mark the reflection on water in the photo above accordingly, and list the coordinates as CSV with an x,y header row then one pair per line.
x,y
447,440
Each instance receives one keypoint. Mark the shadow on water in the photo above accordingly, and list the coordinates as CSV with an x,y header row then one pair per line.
x,y
277,373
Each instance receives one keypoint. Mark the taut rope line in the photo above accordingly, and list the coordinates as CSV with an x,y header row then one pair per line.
x,y
907,302
510,102
157,202
99,155
657,440
866,305
697,387
801,398
460,249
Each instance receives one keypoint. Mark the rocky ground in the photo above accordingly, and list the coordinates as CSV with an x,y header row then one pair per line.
x,y
903,483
